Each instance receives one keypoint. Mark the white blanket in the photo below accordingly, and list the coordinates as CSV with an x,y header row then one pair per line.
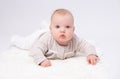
x,y
15,63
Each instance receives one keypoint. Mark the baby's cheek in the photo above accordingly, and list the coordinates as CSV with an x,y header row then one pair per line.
x,y
70,37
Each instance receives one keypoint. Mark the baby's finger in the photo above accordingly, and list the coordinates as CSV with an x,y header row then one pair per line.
x,y
92,61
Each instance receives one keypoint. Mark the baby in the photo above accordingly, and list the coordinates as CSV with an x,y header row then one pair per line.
x,y
61,42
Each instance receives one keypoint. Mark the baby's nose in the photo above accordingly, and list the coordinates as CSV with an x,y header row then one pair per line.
x,y
62,29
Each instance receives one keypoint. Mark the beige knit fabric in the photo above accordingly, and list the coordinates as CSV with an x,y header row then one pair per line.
x,y
47,48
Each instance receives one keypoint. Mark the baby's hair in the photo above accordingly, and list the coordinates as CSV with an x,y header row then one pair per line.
x,y
61,12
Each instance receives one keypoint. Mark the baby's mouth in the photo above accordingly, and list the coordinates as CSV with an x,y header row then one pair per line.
x,y
62,36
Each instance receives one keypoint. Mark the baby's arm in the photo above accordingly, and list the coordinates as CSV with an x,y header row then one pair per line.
x,y
38,51
88,50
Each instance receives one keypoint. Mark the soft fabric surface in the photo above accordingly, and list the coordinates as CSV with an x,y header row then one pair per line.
x,y
15,63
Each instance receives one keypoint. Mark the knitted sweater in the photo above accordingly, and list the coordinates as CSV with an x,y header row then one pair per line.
x,y
46,47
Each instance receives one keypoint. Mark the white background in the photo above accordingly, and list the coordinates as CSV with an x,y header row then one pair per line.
x,y
97,20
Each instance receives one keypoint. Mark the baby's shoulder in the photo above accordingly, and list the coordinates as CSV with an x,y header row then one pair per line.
x,y
45,36
76,39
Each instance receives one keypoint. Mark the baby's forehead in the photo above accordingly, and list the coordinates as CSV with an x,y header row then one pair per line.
x,y
62,19
62,15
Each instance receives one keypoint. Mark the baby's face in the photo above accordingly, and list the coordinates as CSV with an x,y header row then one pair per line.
x,y
62,28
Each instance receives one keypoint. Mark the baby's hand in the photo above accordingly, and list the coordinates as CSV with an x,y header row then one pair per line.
x,y
45,63
92,59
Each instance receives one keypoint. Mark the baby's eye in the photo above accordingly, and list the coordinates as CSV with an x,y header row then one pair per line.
x,y
57,26
67,26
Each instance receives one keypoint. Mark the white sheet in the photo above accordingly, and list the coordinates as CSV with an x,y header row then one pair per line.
x,y
16,64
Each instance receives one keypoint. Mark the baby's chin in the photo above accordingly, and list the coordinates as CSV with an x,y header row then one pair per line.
x,y
63,42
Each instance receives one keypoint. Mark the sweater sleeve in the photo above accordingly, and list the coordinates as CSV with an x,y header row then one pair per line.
x,y
85,48
39,49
